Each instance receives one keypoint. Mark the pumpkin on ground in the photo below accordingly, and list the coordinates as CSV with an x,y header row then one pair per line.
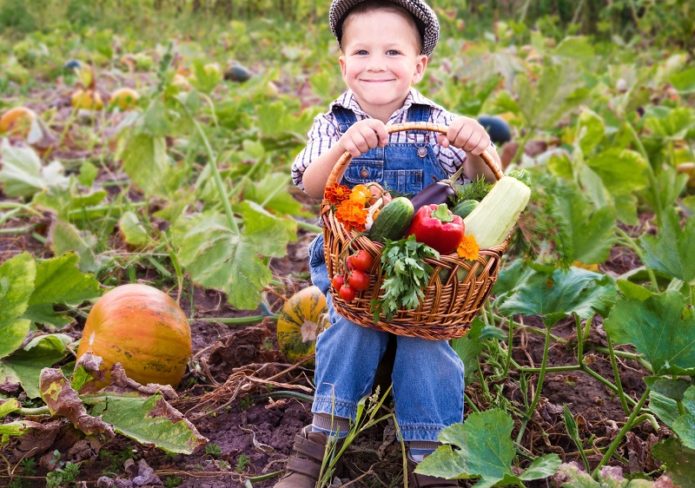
x,y
301,319
142,328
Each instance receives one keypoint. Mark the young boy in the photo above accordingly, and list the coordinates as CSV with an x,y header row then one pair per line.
x,y
385,48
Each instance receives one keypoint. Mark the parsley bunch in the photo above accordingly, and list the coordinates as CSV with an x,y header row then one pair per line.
x,y
405,275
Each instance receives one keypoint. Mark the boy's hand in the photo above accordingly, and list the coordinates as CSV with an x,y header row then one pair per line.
x,y
363,136
467,134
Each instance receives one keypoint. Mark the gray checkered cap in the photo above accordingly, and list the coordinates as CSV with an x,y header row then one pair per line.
x,y
423,14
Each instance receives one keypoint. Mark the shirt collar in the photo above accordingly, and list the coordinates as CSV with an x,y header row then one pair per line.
x,y
349,101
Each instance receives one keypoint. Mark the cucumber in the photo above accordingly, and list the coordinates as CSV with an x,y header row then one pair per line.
x,y
462,209
393,220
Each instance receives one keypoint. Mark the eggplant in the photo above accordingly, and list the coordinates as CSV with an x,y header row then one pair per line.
x,y
437,192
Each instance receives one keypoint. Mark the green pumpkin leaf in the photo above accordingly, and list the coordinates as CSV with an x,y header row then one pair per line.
x,y
622,171
679,461
218,258
660,329
684,425
584,234
148,420
59,281
22,173
16,286
560,293
271,192
25,365
671,250
145,160
590,130
484,450
65,237
134,233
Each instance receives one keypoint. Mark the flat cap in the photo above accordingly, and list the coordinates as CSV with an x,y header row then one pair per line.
x,y
425,18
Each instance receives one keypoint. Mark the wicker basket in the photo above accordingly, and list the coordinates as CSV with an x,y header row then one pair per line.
x,y
457,287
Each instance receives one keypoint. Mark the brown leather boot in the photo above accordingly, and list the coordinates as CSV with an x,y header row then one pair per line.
x,y
304,464
423,481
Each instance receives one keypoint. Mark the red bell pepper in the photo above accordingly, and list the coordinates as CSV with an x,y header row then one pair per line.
x,y
436,226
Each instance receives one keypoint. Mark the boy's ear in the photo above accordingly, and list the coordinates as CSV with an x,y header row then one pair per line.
x,y
341,60
420,65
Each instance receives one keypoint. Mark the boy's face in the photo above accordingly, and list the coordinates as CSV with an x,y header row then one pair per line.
x,y
381,60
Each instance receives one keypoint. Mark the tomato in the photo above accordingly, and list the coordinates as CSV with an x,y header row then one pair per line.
x,y
361,260
359,280
347,293
338,281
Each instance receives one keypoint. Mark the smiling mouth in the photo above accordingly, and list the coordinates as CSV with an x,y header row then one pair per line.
x,y
376,81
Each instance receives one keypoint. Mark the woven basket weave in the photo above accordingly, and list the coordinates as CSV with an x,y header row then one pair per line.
x,y
457,287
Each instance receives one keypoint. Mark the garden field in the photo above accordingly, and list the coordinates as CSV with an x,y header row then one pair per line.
x,y
150,143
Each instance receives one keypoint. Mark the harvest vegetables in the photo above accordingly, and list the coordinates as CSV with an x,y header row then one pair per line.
x,y
393,220
437,227
465,207
301,319
438,192
142,328
405,275
358,266
492,219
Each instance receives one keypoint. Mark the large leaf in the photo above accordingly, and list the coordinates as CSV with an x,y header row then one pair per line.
x,y
16,286
218,258
591,130
679,461
483,449
145,160
271,192
65,237
560,293
22,173
623,171
584,234
671,250
684,425
661,328
558,90
25,365
59,281
148,420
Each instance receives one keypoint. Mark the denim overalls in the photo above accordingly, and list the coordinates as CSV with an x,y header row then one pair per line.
x,y
427,375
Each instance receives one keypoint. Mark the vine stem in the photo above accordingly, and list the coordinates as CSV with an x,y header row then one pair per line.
x,y
616,374
619,437
630,242
539,386
217,178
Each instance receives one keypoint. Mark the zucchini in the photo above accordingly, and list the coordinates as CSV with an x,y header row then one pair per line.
x,y
393,220
493,218
462,209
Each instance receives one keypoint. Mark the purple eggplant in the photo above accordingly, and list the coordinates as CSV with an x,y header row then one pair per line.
x,y
438,192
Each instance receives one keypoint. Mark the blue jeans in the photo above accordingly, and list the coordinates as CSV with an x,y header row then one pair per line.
x,y
427,375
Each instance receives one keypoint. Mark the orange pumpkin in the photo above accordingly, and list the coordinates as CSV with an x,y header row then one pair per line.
x,y
17,121
142,328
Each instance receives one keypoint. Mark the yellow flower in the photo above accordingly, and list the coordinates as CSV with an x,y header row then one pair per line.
x,y
468,248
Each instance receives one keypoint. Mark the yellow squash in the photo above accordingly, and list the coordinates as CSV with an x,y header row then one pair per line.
x,y
301,319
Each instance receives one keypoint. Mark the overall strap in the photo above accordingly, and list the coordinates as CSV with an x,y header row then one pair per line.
x,y
344,116
419,113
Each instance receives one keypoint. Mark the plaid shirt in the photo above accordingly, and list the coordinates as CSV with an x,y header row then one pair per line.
x,y
325,132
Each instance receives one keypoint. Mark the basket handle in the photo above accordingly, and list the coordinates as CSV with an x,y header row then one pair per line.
x,y
341,165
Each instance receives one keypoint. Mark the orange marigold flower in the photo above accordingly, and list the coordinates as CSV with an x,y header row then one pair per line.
x,y
468,248
352,215
337,193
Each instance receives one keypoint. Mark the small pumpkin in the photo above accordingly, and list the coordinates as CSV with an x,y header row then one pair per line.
x,y
142,328
17,121
301,320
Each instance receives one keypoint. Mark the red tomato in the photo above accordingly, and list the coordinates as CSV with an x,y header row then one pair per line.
x,y
359,280
361,260
337,281
347,293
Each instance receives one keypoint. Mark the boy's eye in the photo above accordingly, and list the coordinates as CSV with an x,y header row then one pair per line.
x,y
393,52
361,52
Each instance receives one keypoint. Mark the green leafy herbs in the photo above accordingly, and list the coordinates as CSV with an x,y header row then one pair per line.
x,y
405,275
475,190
